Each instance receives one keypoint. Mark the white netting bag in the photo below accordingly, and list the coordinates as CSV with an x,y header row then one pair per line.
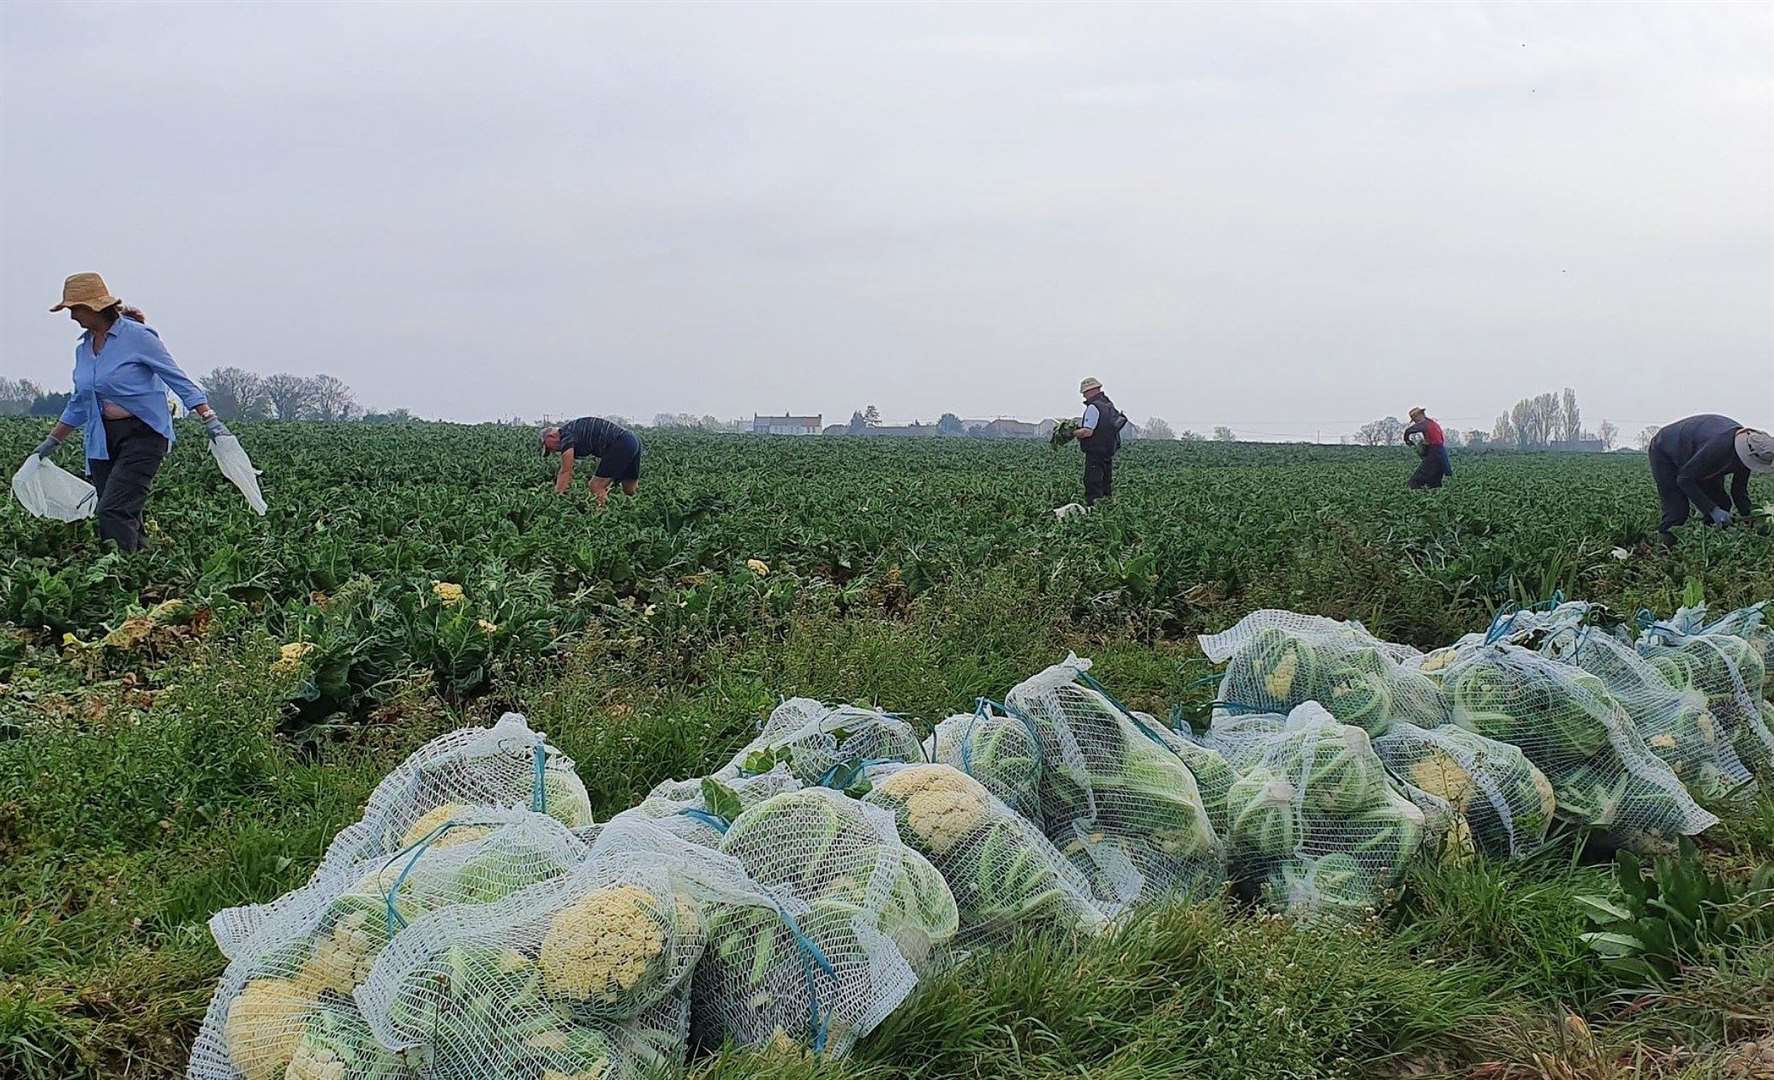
x,y
1115,797
1004,874
857,916
1678,725
1730,672
1279,659
583,975
1316,825
1000,750
1507,803
816,741
507,764
1214,775
47,491
682,807
1573,731
317,944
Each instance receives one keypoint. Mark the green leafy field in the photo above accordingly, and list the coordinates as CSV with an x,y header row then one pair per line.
x,y
154,768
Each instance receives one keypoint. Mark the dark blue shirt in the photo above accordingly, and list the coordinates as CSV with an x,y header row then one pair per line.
x,y
592,436
1704,447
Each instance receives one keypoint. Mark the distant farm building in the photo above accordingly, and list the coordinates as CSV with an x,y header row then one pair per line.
x,y
786,425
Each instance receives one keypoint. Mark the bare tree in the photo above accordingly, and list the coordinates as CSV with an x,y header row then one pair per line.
x,y
1453,436
1503,433
236,394
16,396
1476,438
1387,432
1157,428
1224,434
1572,418
871,417
332,399
1609,434
1187,435
1646,435
291,397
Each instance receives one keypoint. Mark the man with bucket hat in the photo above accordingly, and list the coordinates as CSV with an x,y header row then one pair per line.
x,y
1099,436
1690,460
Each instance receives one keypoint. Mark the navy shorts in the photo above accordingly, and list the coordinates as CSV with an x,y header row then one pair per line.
x,y
622,462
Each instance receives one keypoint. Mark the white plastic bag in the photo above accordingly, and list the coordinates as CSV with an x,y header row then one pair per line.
x,y
238,468
48,491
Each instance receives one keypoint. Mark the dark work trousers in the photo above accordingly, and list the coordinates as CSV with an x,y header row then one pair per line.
x,y
1431,470
1099,478
1674,499
123,482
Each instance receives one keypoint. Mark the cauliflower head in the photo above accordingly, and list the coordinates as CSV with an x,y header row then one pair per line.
x,y
601,947
1440,774
264,1024
342,957
438,816
942,806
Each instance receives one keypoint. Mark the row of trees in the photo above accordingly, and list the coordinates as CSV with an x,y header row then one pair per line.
x,y
235,394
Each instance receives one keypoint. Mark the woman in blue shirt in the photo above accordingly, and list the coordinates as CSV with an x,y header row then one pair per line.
x,y
121,377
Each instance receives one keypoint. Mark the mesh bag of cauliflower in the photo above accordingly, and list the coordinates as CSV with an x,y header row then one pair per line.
x,y
1729,671
1000,750
507,764
313,947
1004,874
1678,725
1317,828
857,916
1115,797
1507,804
583,975
815,741
1279,659
1575,732
1214,775
702,810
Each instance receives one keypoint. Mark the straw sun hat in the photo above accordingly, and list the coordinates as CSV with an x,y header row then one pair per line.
x,y
85,290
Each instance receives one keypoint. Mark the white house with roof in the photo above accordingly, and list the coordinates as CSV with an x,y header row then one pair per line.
x,y
786,424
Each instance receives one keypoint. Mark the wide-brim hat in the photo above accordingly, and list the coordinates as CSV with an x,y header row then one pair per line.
x,y
85,290
1418,409
1756,450
1088,385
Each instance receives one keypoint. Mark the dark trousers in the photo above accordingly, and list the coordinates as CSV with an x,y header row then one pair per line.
x,y
123,482
1099,478
1673,498
1431,470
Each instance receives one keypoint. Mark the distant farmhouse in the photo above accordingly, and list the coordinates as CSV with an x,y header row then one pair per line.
x,y
786,425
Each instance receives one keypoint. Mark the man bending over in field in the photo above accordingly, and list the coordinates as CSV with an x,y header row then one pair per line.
x,y
616,448
1690,460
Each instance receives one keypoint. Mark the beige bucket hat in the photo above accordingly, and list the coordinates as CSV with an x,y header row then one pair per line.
x,y
1756,449
1088,385
85,290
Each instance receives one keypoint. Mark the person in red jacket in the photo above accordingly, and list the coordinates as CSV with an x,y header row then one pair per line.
x,y
1432,444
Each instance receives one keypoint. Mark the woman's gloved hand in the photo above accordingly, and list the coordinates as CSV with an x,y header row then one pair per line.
x,y
1721,516
47,447
214,426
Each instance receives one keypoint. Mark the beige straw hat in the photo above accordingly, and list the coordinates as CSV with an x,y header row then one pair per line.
x,y
85,290
1088,385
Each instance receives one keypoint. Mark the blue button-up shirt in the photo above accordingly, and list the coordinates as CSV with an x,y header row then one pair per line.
x,y
133,370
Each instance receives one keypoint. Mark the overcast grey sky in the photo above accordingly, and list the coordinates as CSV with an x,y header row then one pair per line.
x,y
1286,218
